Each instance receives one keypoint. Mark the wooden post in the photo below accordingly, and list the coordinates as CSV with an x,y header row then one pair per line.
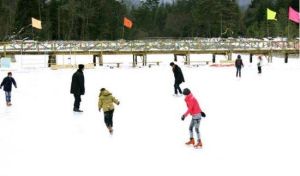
x,y
51,60
286,58
100,57
214,58
175,57
134,60
145,59
94,60
251,55
188,59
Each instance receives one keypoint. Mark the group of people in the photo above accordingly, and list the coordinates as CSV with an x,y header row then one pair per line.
x,y
239,64
107,100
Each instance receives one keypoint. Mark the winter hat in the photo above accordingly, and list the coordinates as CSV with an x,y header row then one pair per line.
x,y
172,63
186,91
102,89
239,56
80,66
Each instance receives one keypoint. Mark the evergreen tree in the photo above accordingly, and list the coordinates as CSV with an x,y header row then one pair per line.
x,y
26,9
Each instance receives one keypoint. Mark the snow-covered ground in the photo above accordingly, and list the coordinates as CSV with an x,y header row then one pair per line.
x,y
251,128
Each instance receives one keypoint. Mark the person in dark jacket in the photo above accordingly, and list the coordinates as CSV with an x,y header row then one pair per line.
x,y
77,87
7,84
178,77
239,64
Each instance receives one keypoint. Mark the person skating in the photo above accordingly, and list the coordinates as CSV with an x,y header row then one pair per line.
x,y
7,84
195,111
178,78
239,64
259,64
106,102
77,87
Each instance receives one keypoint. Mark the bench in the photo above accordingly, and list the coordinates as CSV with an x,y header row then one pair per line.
x,y
114,63
199,63
224,63
61,66
153,63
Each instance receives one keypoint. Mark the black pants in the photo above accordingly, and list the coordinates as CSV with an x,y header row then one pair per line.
x,y
77,101
108,118
259,69
238,72
177,88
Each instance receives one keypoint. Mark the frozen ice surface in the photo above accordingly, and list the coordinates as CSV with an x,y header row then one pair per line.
x,y
251,128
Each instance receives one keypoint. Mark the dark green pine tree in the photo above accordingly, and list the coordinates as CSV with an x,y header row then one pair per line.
x,y
26,9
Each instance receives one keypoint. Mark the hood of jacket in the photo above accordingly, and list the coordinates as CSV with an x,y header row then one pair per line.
x,y
105,93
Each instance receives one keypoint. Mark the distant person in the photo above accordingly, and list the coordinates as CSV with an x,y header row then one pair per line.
x,y
106,102
178,78
7,84
239,64
195,111
259,64
77,87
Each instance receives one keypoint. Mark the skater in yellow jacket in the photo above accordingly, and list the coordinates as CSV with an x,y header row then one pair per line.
x,y
106,102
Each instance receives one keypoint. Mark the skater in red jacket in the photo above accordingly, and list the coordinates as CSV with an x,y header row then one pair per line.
x,y
195,111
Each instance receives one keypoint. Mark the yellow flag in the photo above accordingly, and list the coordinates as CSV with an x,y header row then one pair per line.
x,y
271,15
36,23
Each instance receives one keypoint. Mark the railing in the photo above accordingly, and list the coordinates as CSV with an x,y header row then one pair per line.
x,y
148,46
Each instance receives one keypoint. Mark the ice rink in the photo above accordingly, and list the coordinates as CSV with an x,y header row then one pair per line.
x,y
252,126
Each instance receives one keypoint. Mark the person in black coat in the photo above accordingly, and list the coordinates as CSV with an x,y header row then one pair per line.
x,y
238,64
77,87
178,77
7,84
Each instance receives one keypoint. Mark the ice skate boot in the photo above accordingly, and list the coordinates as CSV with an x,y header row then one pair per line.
x,y
110,130
190,142
199,144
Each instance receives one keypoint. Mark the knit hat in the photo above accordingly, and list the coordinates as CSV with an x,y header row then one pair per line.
x,y
186,91
172,63
80,66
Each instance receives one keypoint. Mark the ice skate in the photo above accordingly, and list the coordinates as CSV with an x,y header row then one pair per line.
x,y
199,144
77,110
190,142
110,130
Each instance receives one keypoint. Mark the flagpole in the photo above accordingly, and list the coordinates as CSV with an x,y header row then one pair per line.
x,y
267,28
123,32
288,29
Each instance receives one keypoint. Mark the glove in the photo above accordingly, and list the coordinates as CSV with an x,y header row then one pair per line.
x,y
203,114
118,103
182,117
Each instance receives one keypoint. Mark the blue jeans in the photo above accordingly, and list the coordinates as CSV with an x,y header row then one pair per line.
x,y
195,123
8,96
238,71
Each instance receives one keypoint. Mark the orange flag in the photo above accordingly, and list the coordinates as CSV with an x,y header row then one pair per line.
x,y
128,23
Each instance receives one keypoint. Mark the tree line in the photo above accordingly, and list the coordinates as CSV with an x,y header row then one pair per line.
x,y
103,19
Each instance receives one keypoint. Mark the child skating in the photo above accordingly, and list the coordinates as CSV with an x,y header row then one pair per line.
x,y
106,102
196,113
7,84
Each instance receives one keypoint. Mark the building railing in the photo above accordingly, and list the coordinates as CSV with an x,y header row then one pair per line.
x,y
155,46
